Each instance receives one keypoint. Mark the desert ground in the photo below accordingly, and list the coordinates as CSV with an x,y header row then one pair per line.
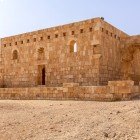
x,y
69,120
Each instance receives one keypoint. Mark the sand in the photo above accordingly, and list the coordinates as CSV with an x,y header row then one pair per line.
x,y
69,120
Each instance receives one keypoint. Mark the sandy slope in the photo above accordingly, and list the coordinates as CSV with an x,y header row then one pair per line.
x,y
69,120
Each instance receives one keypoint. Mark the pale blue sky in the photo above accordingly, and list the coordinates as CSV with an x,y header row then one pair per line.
x,y
19,16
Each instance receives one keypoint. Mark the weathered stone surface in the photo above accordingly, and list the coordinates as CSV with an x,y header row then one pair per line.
x,y
73,61
98,93
86,52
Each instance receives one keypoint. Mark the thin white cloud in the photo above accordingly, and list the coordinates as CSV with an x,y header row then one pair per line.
x,y
1,0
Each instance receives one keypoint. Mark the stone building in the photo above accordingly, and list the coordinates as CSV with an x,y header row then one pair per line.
x,y
90,52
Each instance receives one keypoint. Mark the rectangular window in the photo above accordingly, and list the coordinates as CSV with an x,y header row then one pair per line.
x,y
34,39
28,40
15,43
107,32
81,31
49,37
64,34
56,35
72,32
4,45
21,42
90,29
41,38
102,29
119,38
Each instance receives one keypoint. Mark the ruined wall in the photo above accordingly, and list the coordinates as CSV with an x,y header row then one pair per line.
x,y
114,91
51,49
111,45
136,67
131,52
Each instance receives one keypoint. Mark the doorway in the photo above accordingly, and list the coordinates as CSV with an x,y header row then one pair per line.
x,y
41,75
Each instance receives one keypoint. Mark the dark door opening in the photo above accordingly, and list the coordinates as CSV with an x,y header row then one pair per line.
x,y
43,76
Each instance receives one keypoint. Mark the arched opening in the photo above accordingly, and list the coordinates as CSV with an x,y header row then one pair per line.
x,y
73,47
41,54
15,55
43,76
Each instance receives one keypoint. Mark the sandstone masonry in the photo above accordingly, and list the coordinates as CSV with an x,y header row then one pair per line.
x,y
88,53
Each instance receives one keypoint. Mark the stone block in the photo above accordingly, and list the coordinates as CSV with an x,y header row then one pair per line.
x,y
124,89
70,84
121,83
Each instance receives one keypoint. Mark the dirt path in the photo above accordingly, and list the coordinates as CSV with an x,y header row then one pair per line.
x,y
69,120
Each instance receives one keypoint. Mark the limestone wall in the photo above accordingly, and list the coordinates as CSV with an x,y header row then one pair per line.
x,y
120,90
61,65
136,67
111,46
87,52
